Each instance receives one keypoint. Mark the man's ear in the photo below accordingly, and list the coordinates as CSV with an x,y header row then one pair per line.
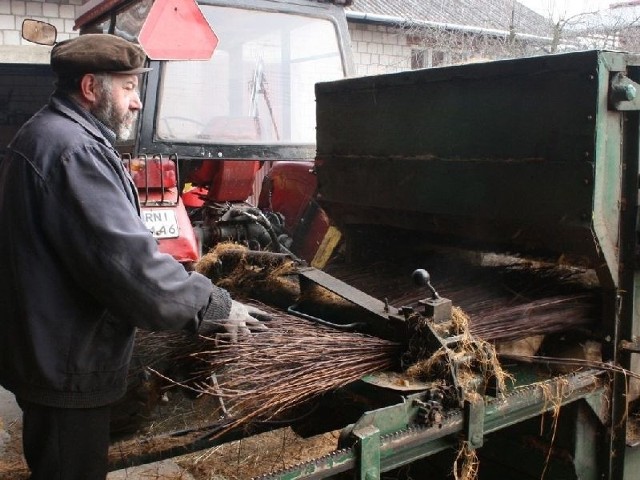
x,y
89,88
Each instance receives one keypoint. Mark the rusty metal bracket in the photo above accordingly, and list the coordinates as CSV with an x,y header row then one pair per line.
x,y
474,423
437,308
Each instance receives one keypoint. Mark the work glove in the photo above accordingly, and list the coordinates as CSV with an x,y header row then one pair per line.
x,y
243,320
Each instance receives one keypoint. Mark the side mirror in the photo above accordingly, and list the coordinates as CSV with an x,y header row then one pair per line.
x,y
42,33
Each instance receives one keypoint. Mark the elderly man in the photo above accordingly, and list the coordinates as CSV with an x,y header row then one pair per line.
x,y
78,269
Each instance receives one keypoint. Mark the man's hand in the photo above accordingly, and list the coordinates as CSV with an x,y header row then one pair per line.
x,y
243,320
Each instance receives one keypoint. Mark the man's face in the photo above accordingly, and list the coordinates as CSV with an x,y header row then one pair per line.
x,y
117,103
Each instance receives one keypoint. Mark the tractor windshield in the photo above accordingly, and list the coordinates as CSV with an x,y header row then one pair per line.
x,y
258,87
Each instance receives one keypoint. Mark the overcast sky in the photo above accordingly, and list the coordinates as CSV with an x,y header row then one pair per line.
x,y
566,8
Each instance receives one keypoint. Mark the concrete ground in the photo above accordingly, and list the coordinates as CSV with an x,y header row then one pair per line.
x,y
165,470
11,415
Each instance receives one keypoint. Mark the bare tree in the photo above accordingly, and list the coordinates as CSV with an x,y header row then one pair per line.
x,y
613,28
449,43
436,43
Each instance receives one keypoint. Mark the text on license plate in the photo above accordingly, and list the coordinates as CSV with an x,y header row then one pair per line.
x,y
161,222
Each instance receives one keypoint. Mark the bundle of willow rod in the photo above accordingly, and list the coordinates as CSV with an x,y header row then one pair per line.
x,y
164,350
534,317
262,377
503,302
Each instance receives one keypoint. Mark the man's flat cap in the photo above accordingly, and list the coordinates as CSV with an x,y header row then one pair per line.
x,y
97,53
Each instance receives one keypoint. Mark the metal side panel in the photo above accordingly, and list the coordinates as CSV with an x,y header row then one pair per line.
x,y
540,107
521,155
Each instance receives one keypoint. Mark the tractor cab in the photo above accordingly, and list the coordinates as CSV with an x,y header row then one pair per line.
x,y
230,94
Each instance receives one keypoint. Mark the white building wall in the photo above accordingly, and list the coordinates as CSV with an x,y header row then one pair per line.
x,y
379,49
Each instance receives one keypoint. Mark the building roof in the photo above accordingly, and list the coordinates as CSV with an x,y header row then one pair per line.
x,y
484,14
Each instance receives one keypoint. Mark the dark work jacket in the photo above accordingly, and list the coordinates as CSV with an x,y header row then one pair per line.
x,y
79,271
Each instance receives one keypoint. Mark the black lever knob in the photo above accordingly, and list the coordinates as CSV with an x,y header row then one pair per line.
x,y
421,277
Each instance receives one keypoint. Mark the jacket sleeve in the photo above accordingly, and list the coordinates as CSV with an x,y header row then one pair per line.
x,y
89,215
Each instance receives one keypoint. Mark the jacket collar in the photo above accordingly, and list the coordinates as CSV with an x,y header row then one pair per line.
x,y
70,108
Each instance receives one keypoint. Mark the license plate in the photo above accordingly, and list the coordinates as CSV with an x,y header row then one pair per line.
x,y
161,222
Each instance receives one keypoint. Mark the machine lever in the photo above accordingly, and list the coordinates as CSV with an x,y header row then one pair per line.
x,y
436,307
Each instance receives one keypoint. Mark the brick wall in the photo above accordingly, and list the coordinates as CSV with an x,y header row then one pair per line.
x,y
378,49
381,49
60,13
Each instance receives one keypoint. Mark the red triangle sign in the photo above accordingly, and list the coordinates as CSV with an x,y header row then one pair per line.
x,y
177,30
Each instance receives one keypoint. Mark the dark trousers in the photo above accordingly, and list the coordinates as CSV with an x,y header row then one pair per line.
x,y
65,443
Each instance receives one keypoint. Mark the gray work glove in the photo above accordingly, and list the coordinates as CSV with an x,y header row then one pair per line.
x,y
243,320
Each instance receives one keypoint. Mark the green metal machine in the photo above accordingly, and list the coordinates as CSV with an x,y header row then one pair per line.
x,y
536,157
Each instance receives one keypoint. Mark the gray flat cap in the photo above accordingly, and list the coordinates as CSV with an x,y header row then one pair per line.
x,y
97,53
